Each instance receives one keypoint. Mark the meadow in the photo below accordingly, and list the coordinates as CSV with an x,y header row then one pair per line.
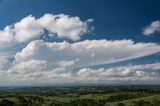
x,y
134,95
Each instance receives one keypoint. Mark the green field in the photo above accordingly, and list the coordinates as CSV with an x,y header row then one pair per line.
x,y
81,96
131,101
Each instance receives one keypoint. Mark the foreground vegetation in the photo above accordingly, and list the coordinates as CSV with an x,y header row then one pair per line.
x,y
81,96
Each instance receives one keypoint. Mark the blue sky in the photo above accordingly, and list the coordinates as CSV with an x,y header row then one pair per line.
x,y
125,26
112,19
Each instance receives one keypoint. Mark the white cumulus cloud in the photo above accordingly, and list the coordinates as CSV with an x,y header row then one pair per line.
x,y
152,28
80,54
39,73
65,26
27,29
34,61
145,73
30,28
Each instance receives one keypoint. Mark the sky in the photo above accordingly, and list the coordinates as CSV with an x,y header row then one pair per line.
x,y
79,42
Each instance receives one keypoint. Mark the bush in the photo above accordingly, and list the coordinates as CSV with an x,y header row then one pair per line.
x,y
6,102
120,104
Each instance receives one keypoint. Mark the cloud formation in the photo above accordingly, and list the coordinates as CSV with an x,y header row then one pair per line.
x,y
152,28
85,53
147,73
43,62
39,62
30,28
38,73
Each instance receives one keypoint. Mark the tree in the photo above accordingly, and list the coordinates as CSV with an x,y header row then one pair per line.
x,y
120,104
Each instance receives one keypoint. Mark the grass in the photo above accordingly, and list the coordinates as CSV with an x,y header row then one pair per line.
x,y
95,96
60,99
68,96
130,101
14,99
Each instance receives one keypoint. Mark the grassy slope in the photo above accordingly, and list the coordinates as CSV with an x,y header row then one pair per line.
x,y
60,99
14,99
85,96
93,96
96,96
129,102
